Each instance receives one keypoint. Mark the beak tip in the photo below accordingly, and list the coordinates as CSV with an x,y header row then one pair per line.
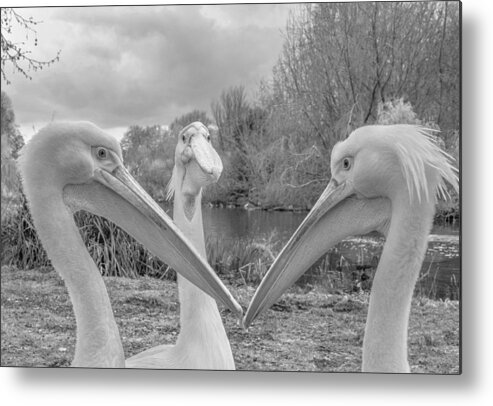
x,y
236,309
245,322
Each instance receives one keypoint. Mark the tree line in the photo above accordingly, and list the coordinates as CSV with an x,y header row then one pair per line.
x,y
343,65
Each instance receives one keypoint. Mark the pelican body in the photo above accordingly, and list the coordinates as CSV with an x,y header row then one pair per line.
x,y
202,342
384,178
68,167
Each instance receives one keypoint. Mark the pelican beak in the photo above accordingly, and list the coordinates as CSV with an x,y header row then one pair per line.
x,y
117,196
206,157
336,215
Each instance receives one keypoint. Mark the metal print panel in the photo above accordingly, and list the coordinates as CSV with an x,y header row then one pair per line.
x,y
268,187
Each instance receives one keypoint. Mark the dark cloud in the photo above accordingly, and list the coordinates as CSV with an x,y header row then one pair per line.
x,y
145,65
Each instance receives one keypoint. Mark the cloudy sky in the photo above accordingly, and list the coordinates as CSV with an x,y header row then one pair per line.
x,y
143,65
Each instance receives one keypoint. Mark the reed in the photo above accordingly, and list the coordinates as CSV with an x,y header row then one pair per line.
x,y
240,261
244,260
247,261
112,249
20,243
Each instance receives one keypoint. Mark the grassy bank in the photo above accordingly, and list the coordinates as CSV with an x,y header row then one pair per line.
x,y
307,330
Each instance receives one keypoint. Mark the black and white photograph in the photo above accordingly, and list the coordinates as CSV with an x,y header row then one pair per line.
x,y
233,187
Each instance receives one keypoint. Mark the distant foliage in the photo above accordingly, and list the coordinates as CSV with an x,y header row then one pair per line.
x,y
343,65
148,153
12,142
188,118
396,112
267,162
240,127
340,60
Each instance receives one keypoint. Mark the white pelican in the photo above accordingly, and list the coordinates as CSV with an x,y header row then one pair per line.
x,y
72,166
202,342
384,178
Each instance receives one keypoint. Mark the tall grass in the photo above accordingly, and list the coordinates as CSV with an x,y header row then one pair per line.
x,y
21,246
241,261
247,261
112,249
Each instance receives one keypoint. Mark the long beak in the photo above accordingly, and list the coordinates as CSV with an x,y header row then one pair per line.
x,y
206,157
336,215
118,197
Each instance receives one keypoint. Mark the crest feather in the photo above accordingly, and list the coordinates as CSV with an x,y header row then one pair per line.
x,y
171,186
417,149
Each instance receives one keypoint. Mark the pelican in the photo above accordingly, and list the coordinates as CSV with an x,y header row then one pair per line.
x,y
384,178
202,342
76,166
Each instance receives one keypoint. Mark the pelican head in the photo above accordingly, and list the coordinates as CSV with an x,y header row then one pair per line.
x,y
197,163
80,166
376,169
391,161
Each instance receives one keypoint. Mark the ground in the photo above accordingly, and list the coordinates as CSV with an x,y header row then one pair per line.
x,y
307,330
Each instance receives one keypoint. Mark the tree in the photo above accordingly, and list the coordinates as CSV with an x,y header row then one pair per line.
x,y
188,118
137,139
12,140
148,153
241,131
17,54
340,60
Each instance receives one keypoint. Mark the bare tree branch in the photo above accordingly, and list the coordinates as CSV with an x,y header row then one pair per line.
x,y
17,54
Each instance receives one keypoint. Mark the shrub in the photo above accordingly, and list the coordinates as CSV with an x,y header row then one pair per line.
x,y
113,250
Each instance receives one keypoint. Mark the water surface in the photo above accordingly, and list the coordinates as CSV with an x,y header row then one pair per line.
x,y
239,223
440,274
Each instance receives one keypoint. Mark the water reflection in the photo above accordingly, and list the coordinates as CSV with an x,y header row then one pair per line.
x,y
440,274
239,223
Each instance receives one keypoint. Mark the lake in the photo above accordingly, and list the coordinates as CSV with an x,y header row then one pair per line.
x,y
440,275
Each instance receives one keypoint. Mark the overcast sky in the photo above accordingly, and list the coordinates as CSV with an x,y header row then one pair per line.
x,y
143,65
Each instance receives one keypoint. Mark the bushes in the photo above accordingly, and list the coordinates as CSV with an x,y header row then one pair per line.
x,y
149,154
114,251
20,243
271,157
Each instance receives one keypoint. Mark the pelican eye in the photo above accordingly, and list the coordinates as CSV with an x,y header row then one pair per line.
x,y
183,138
346,163
208,138
102,153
